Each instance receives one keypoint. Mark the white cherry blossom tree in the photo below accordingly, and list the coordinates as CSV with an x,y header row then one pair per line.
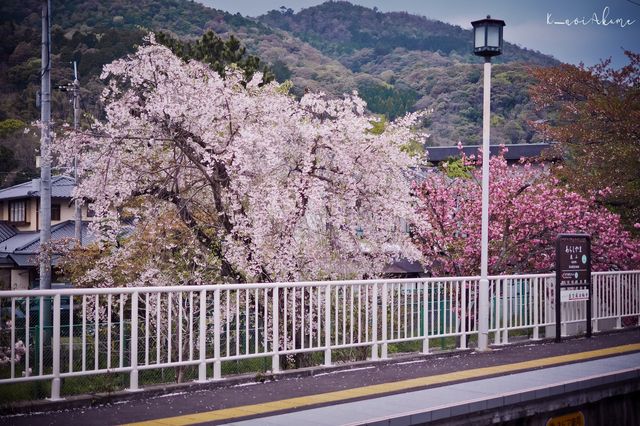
x,y
272,188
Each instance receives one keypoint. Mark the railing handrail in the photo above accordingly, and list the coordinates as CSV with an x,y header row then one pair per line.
x,y
211,287
238,286
615,272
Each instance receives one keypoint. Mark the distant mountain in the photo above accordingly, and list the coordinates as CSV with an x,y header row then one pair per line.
x,y
356,35
426,63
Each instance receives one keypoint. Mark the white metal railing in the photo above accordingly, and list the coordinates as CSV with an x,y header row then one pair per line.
x,y
129,330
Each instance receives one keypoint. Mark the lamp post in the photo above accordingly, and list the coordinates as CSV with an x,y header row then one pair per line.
x,y
487,35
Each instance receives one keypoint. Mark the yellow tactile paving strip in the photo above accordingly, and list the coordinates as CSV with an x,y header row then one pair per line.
x,y
379,389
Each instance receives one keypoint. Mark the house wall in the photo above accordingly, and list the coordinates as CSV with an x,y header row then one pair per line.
x,y
19,279
32,215
67,211
5,279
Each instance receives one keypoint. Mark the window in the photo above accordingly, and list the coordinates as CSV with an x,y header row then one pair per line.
x,y
18,211
55,211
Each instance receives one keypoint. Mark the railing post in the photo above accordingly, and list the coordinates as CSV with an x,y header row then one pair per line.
x,y
536,308
463,315
202,367
618,301
275,344
327,324
12,342
374,322
425,316
636,298
384,349
595,302
499,295
505,312
217,363
133,376
55,383
562,314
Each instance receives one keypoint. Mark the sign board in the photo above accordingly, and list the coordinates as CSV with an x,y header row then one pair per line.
x,y
573,258
573,274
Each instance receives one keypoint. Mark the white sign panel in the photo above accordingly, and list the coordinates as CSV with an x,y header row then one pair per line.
x,y
574,295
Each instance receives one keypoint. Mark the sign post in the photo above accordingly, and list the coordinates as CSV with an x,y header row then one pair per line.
x,y
573,275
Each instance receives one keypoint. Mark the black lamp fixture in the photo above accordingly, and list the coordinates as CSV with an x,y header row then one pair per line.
x,y
487,36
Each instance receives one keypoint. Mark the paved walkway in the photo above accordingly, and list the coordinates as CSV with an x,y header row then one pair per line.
x,y
418,407
425,380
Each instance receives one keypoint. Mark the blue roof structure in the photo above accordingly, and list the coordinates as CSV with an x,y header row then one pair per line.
x,y
23,247
61,187
7,230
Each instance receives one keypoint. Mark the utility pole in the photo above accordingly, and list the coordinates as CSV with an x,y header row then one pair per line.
x,y
45,198
76,114
45,148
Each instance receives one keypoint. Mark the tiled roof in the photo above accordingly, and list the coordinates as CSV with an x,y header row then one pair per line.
x,y
18,241
29,242
403,266
61,187
25,259
60,231
515,152
7,231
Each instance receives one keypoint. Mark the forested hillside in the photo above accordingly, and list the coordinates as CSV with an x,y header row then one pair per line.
x,y
346,32
422,63
398,62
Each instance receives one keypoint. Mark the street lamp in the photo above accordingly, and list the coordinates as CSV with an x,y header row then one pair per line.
x,y
487,37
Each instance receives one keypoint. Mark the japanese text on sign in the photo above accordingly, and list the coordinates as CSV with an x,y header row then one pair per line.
x,y
573,260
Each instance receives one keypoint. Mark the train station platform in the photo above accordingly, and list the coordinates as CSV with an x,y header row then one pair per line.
x,y
510,394
461,387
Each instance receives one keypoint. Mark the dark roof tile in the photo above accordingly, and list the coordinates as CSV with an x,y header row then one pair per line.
x,y
61,187
514,153
6,231
29,242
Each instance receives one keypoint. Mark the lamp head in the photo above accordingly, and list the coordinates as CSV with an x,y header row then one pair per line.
x,y
487,37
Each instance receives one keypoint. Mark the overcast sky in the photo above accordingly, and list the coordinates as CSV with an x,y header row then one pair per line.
x,y
528,22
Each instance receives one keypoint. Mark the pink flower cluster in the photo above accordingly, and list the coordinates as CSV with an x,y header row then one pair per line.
x,y
528,209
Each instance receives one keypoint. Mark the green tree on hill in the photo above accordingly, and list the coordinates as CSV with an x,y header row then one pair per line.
x,y
218,53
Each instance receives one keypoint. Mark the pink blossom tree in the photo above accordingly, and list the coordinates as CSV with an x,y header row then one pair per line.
x,y
528,208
